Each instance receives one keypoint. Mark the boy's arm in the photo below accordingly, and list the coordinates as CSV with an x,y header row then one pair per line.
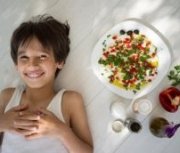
x,y
78,137
5,96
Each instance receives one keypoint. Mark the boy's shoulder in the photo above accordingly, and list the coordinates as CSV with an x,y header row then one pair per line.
x,y
72,96
5,95
7,92
73,100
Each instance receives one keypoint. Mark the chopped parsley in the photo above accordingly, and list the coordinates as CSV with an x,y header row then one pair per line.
x,y
174,75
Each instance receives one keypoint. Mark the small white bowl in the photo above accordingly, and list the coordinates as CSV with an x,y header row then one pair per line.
x,y
142,106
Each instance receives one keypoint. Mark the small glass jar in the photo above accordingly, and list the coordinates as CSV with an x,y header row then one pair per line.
x,y
157,126
117,109
117,125
142,106
133,125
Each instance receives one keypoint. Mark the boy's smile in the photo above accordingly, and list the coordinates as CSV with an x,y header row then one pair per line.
x,y
34,74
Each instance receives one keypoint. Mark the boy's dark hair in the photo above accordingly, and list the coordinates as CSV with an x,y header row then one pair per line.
x,y
51,33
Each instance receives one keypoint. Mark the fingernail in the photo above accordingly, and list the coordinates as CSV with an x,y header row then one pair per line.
x,y
20,113
34,128
38,117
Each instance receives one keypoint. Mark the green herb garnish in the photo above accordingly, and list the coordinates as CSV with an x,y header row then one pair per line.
x,y
174,75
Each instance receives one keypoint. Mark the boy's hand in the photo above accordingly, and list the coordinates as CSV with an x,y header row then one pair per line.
x,y
7,120
38,124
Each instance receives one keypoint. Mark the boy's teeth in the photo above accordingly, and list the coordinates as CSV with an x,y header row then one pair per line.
x,y
34,75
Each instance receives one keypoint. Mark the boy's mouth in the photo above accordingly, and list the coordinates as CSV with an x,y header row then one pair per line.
x,y
34,75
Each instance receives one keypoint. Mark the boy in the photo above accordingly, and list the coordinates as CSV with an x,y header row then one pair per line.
x,y
34,117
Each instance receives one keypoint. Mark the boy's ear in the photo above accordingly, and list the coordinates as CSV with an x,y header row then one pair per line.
x,y
60,65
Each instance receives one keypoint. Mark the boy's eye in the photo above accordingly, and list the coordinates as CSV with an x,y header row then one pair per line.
x,y
23,57
43,57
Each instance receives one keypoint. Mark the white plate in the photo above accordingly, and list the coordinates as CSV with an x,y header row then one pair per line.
x,y
164,54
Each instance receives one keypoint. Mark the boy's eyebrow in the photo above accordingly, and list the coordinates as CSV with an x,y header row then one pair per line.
x,y
20,52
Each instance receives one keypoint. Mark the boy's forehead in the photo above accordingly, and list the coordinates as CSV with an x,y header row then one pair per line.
x,y
33,44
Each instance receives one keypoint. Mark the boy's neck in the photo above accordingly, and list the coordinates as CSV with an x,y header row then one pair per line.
x,y
39,94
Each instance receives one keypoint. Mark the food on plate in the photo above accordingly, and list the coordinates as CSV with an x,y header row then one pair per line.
x,y
129,60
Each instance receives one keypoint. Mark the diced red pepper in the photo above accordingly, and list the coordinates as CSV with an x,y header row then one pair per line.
x,y
114,37
141,47
106,54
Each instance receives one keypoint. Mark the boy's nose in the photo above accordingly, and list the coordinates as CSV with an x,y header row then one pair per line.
x,y
34,62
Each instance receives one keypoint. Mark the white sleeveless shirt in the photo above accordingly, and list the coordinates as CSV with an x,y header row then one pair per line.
x,y
14,143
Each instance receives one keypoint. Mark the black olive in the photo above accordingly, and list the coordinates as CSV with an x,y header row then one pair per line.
x,y
122,32
129,32
136,31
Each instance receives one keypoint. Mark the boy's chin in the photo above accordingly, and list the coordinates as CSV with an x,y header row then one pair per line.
x,y
35,85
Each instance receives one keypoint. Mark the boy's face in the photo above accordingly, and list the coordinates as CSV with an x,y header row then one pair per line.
x,y
36,65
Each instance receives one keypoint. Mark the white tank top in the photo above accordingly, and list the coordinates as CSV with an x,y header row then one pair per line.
x,y
13,143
